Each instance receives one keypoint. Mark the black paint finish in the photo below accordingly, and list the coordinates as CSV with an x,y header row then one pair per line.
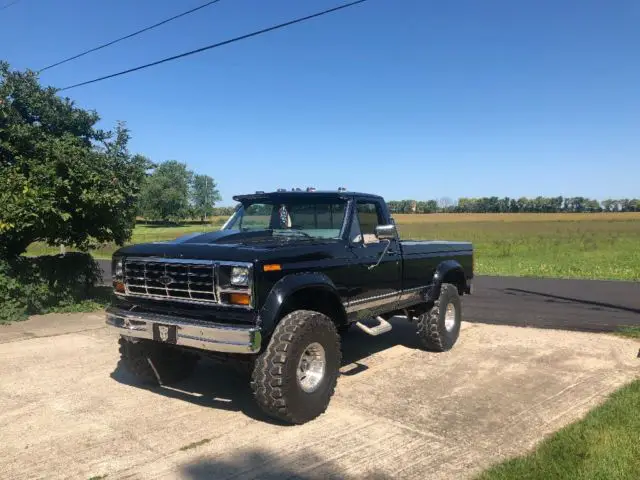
x,y
365,279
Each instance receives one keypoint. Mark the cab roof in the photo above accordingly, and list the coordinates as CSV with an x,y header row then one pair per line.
x,y
299,194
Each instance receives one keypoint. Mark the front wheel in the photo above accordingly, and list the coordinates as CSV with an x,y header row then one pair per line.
x,y
295,377
439,327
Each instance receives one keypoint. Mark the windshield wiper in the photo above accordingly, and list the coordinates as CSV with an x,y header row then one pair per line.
x,y
288,231
256,229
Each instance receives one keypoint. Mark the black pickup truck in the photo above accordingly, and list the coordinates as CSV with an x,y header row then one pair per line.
x,y
275,287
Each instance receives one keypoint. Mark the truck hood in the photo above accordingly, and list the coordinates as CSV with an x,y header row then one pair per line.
x,y
226,245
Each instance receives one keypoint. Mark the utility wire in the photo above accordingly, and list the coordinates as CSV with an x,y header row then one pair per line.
x,y
7,5
220,44
146,29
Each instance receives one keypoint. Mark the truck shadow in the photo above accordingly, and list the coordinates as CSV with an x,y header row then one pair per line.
x,y
260,463
215,385
212,385
357,345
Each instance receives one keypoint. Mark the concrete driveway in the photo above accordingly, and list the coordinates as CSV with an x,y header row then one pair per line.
x,y
398,412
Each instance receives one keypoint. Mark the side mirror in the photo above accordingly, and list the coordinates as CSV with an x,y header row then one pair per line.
x,y
386,232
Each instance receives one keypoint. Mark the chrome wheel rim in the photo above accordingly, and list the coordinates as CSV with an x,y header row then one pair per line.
x,y
311,367
450,317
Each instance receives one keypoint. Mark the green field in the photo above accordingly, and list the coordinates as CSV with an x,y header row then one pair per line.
x,y
592,245
605,444
595,246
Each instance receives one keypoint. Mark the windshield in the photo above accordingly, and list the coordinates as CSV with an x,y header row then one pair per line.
x,y
316,219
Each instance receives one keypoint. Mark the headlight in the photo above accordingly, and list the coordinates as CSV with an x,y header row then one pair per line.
x,y
117,268
117,274
240,276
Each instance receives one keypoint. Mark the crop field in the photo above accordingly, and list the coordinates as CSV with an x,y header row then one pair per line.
x,y
591,245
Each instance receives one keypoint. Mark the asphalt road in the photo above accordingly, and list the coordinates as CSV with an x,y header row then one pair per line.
x,y
588,305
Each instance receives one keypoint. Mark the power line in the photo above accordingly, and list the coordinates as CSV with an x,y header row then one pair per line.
x,y
7,5
146,29
220,44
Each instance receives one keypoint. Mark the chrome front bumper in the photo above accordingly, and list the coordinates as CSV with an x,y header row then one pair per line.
x,y
190,332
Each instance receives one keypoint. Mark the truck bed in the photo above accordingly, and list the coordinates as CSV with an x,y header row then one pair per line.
x,y
421,259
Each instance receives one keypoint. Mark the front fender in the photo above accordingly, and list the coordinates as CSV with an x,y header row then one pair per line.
x,y
451,272
283,289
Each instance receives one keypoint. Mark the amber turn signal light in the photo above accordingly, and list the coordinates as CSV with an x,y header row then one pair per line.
x,y
118,287
239,299
273,267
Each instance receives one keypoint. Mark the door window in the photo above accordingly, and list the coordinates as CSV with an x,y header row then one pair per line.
x,y
369,216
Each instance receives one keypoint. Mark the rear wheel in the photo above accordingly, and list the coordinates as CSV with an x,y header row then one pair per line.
x,y
439,327
295,377
154,363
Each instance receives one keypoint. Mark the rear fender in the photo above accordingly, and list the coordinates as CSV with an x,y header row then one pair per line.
x,y
448,271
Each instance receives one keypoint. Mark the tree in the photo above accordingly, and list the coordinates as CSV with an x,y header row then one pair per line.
x,y
445,204
465,205
503,205
62,180
165,193
204,196
393,206
432,206
557,204
608,205
224,211
407,206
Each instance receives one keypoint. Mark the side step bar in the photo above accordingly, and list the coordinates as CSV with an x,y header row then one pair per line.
x,y
382,327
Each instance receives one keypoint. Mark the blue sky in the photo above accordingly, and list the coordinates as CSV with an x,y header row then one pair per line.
x,y
406,98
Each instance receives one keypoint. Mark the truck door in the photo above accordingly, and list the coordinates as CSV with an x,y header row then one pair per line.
x,y
372,289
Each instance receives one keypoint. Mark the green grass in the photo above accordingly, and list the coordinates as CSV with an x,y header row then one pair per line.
x,y
604,445
629,332
594,246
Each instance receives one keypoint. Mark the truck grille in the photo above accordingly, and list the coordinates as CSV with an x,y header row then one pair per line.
x,y
187,281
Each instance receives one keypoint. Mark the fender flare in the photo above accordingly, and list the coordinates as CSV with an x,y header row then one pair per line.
x,y
287,286
444,270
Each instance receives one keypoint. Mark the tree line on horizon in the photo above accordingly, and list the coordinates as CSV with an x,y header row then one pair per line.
x,y
512,205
